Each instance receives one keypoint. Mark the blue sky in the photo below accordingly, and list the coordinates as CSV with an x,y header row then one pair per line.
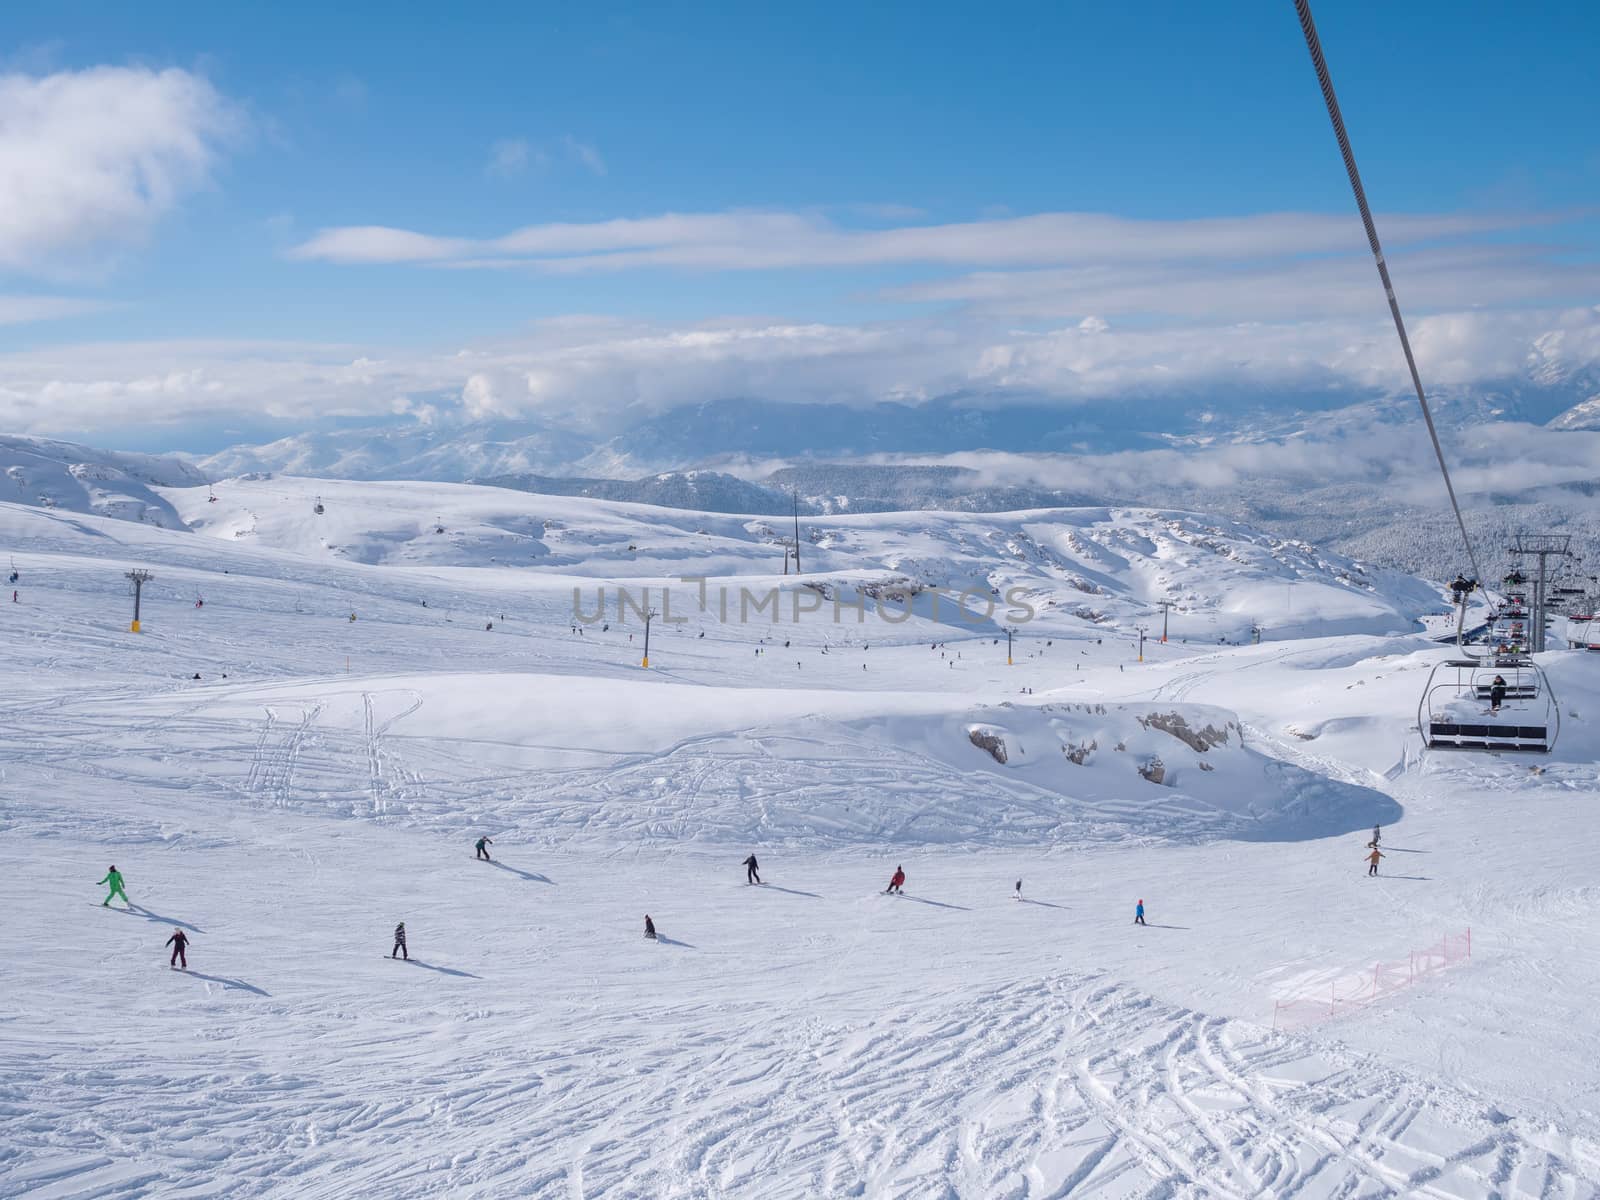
x,y
844,119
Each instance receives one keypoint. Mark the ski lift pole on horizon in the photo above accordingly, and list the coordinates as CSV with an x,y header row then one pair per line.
x,y
1166,608
1141,643
1010,633
649,616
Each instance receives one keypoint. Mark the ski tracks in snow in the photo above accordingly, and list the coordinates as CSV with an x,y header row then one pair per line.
x,y
270,776
380,783
1068,1085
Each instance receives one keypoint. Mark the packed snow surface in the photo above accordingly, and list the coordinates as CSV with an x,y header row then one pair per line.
x,y
326,777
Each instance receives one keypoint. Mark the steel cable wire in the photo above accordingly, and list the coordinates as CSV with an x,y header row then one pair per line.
x,y
1314,44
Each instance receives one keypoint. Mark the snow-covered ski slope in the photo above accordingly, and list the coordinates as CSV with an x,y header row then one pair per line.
x,y
812,1036
1093,562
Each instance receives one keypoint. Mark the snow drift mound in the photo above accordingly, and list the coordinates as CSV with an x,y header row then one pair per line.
x,y
1178,772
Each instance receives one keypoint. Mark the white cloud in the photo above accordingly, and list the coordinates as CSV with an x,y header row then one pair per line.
x,y
90,160
510,157
602,373
586,154
478,399
1427,278
376,244
1057,267
1485,460
749,240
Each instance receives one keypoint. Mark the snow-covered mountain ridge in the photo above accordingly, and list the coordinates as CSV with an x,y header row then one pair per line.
x,y
1107,566
74,478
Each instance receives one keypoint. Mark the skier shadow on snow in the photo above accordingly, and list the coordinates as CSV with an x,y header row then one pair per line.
x,y
772,887
1417,878
1153,925
428,966
229,983
530,876
1318,807
1044,904
140,911
664,940
935,903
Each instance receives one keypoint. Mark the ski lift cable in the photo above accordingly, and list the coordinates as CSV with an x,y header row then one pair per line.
x,y
1314,45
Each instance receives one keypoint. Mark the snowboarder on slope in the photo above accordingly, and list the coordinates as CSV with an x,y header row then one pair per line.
x,y
751,867
178,941
649,927
1497,693
1138,913
400,942
114,880
1372,860
1018,893
896,881
482,853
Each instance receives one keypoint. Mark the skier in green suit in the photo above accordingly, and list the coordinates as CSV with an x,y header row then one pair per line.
x,y
114,878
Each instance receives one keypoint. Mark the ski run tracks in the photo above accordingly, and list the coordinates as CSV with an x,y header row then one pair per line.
x,y
1069,1086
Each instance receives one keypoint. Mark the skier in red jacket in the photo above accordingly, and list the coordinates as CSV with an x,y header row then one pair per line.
x,y
896,881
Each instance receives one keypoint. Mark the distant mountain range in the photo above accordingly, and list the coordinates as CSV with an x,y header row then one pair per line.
x,y
1584,415
731,432
754,457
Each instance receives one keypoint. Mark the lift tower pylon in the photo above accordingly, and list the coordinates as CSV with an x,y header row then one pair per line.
x,y
1542,546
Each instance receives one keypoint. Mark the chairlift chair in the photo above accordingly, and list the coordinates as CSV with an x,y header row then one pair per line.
x,y
1507,634
1452,714
1583,631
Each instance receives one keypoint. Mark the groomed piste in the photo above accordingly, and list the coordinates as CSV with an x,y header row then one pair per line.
x,y
384,683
